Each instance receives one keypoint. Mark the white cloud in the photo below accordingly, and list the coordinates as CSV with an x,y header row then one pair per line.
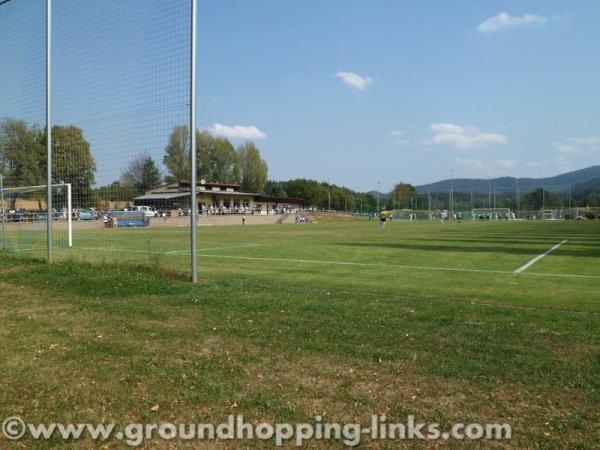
x,y
237,131
398,138
463,137
506,163
354,80
504,21
560,163
473,163
498,167
578,145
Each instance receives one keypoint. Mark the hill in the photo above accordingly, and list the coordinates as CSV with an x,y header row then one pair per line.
x,y
579,179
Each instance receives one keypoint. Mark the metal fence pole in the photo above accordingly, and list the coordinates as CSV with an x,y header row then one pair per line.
x,y
193,196
3,212
69,215
49,125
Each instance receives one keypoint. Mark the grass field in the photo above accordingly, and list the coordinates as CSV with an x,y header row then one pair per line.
x,y
290,321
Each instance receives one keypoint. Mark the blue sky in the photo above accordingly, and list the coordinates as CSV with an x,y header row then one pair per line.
x,y
350,91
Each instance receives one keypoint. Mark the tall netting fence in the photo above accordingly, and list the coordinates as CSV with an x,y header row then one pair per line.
x,y
530,201
120,135
22,113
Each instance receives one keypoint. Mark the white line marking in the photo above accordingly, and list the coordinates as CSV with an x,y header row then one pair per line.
x,y
537,258
565,275
214,248
173,252
447,269
346,263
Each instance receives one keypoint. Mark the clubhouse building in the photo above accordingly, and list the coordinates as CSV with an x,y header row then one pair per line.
x,y
214,198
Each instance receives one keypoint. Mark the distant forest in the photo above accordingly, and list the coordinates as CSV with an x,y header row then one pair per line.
x,y
23,163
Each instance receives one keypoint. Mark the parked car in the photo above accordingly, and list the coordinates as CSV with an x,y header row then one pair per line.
x,y
63,214
87,214
147,210
42,216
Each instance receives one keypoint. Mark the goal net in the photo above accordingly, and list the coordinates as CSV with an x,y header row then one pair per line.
x,y
550,213
24,215
492,214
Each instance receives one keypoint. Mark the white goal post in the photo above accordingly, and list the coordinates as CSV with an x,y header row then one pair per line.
x,y
8,193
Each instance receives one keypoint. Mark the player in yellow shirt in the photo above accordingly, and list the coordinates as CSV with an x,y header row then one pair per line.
x,y
383,217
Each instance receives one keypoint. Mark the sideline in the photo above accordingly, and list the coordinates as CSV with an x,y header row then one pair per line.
x,y
537,258
346,263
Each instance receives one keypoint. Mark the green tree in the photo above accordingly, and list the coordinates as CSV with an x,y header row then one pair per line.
x,y
151,177
115,192
316,193
177,154
217,159
21,153
204,150
72,162
277,190
592,199
253,169
404,194
365,203
142,174
24,162
313,192
538,198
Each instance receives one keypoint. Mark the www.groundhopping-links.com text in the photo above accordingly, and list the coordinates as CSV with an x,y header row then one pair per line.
x,y
237,429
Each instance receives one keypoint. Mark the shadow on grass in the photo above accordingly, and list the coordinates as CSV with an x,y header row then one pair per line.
x,y
501,241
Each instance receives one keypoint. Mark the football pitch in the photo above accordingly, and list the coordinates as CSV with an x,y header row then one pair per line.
x,y
454,322
521,263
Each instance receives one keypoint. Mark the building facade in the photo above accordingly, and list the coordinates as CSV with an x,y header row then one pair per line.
x,y
215,198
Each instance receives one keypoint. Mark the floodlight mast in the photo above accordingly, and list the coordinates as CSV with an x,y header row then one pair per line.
x,y
3,211
69,215
49,126
518,203
451,194
193,194
543,201
471,199
429,203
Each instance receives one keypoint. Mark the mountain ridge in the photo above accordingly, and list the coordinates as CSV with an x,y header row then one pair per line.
x,y
561,183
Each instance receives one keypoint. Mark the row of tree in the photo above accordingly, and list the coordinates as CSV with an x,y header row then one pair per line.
x,y
217,160
23,158
323,195
23,162
404,196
